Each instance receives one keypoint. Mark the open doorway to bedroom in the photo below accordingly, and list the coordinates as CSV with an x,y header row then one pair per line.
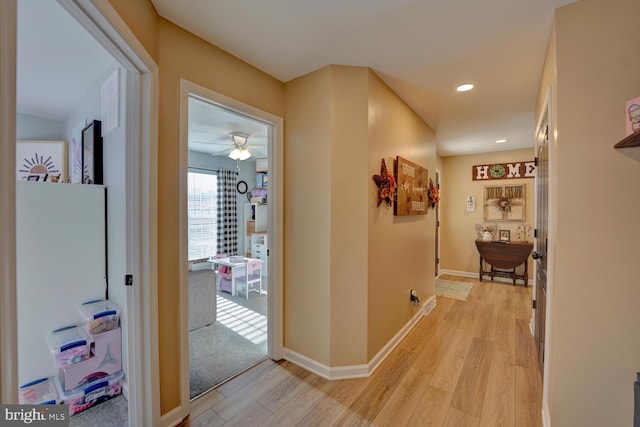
x,y
227,242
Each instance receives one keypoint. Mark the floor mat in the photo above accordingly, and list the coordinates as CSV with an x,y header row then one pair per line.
x,y
451,289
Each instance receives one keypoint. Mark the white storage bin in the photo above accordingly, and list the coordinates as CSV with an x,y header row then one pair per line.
x,y
100,316
69,345
98,391
39,392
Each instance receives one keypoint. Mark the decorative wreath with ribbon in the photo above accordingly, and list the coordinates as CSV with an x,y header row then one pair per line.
x,y
386,185
434,195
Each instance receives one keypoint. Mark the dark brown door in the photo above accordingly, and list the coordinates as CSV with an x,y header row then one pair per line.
x,y
540,254
437,227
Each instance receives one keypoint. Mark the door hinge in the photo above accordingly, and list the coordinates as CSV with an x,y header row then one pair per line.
x,y
267,252
128,279
437,260
535,233
534,304
535,161
437,223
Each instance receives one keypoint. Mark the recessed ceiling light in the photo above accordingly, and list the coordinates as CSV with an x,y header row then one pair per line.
x,y
500,141
465,87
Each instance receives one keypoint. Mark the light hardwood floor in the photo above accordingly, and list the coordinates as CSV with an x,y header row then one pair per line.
x,y
468,363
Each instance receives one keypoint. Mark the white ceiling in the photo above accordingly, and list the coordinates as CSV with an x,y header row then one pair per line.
x,y
57,60
422,49
210,125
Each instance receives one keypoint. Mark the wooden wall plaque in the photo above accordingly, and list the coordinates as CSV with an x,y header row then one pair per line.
x,y
412,182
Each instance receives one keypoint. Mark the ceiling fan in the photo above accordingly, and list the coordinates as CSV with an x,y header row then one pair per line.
x,y
239,150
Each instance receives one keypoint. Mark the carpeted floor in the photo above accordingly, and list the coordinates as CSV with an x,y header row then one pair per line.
x,y
451,289
235,342
112,413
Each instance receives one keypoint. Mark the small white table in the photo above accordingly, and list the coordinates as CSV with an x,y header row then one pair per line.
x,y
237,268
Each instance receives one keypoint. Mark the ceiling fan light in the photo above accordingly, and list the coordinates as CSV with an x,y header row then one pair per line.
x,y
239,154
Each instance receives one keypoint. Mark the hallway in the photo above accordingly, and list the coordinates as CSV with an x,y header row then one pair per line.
x,y
468,363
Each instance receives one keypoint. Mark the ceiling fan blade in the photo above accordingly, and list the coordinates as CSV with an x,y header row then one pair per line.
x,y
226,150
211,143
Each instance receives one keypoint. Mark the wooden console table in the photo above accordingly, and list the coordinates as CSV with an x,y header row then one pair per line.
x,y
504,258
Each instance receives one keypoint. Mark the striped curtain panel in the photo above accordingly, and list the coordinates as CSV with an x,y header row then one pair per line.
x,y
227,213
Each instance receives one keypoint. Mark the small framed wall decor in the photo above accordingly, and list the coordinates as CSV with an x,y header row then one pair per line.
x,y
92,153
42,159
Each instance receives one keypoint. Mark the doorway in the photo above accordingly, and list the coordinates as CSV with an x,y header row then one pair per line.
x,y
253,228
226,217
138,204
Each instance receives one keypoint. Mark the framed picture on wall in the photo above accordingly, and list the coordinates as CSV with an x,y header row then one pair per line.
x,y
504,202
92,153
76,152
43,159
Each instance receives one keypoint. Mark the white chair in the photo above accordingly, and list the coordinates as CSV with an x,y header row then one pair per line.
x,y
252,277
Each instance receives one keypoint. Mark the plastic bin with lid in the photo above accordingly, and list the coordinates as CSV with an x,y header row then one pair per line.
x,y
97,391
69,345
100,316
39,392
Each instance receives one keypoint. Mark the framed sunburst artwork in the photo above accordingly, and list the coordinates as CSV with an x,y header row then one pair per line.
x,y
45,159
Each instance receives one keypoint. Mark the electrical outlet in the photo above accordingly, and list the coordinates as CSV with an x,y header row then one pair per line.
x,y
413,296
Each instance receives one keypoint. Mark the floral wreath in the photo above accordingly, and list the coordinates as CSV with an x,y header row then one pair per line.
x,y
434,195
504,204
386,185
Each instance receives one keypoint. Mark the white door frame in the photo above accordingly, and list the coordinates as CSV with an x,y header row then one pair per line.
x,y
275,224
102,21
8,300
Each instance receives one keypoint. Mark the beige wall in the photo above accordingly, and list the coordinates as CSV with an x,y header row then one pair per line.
x,y
307,159
595,350
401,249
347,281
457,226
349,197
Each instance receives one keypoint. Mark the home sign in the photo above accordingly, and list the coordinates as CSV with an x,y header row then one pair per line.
x,y
516,170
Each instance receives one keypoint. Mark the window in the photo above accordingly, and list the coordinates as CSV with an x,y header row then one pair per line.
x,y
202,201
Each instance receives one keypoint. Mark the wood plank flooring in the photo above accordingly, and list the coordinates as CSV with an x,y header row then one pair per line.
x,y
468,363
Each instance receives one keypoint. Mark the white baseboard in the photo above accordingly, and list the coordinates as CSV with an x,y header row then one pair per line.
x,y
532,327
327,372
430,305
358,371
474,275
546,420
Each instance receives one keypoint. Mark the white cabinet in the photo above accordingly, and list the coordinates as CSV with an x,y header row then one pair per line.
x,y
255,226
259,250
60,264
